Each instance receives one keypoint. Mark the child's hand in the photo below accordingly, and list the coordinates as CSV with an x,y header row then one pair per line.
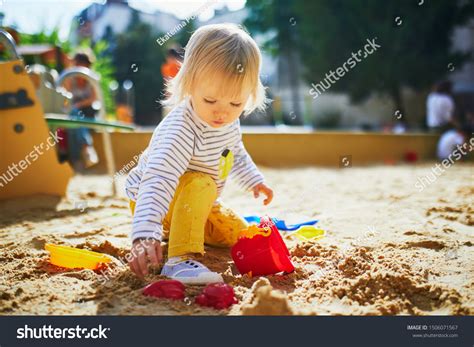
x,y
261,187
144,251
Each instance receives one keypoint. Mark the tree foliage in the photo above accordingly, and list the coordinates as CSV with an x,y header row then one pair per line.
x,y
415,37
138,57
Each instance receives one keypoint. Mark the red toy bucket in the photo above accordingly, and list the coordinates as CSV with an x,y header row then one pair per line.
x,y
261,253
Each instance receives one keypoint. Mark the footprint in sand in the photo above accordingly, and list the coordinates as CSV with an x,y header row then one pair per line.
x,y
462,213
430,244
84,234
412,232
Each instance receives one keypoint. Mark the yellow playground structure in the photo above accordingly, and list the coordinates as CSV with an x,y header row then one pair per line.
x,y
28,158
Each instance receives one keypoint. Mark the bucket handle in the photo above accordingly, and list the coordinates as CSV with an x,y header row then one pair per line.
x,y
254,230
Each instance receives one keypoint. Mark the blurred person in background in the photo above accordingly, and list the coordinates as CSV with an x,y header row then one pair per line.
x,y
453,140
80,145
440,108
170,69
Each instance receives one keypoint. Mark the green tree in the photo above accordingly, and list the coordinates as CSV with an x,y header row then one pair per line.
x,y
415,39
278,19
44,37
138,57
182,37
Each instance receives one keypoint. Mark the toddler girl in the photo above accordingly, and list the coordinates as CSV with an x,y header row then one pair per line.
x,y
174,189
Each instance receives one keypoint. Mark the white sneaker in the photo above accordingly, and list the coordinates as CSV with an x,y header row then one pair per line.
x,y
189,271
89,155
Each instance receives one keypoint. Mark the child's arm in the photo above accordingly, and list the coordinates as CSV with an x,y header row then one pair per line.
x,y
168,159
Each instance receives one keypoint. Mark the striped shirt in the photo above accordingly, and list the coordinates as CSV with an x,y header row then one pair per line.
x,y
183,142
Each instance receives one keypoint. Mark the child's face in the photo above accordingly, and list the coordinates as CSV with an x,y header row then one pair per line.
x,y
215,107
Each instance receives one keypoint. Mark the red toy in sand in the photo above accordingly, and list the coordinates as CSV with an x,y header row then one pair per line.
x,y
169,289
261,251
217,295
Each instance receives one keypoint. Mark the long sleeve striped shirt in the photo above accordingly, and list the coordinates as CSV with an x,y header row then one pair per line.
x,y
183,142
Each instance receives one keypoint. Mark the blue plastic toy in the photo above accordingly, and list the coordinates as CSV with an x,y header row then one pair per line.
x,y
280,224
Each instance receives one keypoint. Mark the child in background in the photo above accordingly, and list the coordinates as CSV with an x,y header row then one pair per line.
x,y
449,141
175,187
81,149
169,70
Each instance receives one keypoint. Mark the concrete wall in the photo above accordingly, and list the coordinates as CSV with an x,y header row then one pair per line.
x,y
297,149
329,148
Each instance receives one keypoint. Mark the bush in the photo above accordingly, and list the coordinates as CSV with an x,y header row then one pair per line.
x,y
327,119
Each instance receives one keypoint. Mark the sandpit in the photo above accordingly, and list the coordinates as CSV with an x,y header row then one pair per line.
x,y
389,249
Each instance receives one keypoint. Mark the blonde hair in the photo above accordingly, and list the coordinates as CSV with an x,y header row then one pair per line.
x,y
220,50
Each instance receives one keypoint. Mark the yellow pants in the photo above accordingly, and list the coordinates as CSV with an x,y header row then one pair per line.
x,y
194,217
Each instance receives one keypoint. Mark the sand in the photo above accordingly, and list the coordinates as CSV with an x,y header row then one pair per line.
x,y
389,249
